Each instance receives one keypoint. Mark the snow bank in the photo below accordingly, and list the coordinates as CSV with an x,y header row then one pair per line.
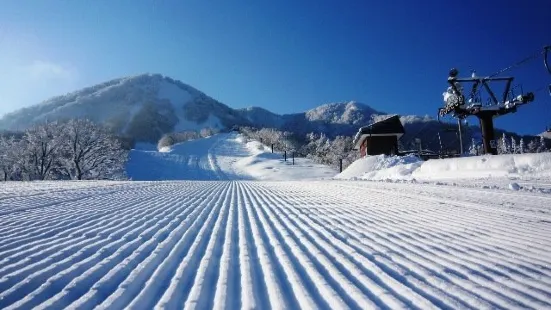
x,y
488,166
383,167
165,149
380,167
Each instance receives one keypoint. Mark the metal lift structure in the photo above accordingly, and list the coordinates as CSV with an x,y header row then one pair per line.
x,y
460,107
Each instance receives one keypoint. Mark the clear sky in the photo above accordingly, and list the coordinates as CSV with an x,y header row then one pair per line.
x,y
286,55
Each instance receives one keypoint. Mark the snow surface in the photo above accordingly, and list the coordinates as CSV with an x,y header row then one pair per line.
x,y
382,167
237,244
178,97
223,156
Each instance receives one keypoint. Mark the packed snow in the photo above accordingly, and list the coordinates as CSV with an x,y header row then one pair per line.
x,y
230,241
491,168
225,156
381,167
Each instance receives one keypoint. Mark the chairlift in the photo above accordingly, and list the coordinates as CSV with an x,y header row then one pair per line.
x,y
460,108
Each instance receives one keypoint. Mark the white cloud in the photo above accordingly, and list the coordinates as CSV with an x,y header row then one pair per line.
x,y
40,69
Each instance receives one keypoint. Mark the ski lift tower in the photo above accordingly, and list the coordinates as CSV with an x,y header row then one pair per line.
x,y
461,108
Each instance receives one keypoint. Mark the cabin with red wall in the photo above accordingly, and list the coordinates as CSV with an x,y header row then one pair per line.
x,y
380,137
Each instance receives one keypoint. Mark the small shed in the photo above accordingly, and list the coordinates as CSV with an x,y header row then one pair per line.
x,y
380,137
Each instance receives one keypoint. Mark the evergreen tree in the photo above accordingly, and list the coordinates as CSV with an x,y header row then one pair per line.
x,y
521,146
473,149
503,147
532,146
513,146
541,146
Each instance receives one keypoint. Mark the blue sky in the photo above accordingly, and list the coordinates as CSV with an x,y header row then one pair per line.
x,y
285,56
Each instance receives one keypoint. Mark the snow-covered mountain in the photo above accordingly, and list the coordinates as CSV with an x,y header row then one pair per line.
x,y
261,117
146,106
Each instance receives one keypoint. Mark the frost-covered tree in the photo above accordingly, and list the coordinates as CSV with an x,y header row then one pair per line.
x,y
513,145
172,138
532,146
77,149
281,140
542,147
521,146
473,148
41,152
207,132
8,157
503,146
329,152
166,141
90,151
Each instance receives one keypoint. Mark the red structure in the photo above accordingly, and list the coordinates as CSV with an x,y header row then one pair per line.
x,y
380,137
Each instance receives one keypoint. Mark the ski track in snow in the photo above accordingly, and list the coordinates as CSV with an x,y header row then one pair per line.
x,y
272,245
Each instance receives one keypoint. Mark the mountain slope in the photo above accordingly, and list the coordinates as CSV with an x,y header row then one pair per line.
x,y
144,107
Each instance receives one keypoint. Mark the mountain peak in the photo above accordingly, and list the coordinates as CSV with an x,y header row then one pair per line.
x,y
143,106
350,112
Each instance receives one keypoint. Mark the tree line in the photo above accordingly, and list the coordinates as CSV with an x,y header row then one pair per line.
x,y
315,146
510,145
76,149
169,139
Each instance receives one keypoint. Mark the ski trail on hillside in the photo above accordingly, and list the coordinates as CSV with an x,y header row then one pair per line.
x,y
224,156
272,245
204,159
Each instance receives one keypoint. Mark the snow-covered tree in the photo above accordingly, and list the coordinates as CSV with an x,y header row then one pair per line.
x,y
165,141
172,138
503,146
521,146
329,152
207,132
532,146
8,158
542,147
281,140
90,151
41,151
473,148
513,145
77,149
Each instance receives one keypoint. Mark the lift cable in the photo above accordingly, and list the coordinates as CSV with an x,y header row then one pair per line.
x,y
545,53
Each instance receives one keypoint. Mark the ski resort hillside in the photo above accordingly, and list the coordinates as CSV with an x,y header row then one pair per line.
x,y
211,236
144,107
275,155
221,157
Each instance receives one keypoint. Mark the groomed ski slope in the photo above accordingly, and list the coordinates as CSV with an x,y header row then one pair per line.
x,y
272,245
218,238
225,156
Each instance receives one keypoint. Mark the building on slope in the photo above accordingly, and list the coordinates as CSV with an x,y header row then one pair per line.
x,y
380,137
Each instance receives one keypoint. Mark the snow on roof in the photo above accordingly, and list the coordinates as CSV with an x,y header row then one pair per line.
x,y
387,125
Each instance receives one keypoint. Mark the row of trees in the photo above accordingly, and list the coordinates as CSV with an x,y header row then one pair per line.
x,y
327,151
169,139
77,149
509,145
280,140
317,147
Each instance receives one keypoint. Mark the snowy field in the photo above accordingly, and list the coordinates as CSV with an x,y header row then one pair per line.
x,y
243,244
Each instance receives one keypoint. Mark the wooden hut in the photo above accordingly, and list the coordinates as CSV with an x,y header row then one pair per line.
x,y
380,137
